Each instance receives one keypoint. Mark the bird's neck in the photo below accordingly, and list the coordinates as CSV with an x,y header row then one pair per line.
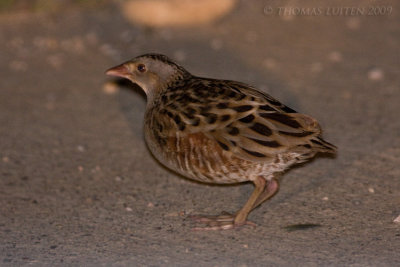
x,y
154,90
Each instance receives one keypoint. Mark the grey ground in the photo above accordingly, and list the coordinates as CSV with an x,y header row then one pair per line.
x,y
79,187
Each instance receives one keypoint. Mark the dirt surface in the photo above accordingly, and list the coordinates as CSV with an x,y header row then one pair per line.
x,y
79,188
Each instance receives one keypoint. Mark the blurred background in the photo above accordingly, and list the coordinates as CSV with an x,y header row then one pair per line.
x,y
79,187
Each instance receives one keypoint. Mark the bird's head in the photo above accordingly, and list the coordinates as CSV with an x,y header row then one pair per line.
x,y
152,72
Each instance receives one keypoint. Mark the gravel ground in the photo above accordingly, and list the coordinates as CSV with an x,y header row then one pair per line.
x,y
78,186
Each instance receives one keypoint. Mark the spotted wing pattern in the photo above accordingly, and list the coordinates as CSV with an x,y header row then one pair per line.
x,y
243,121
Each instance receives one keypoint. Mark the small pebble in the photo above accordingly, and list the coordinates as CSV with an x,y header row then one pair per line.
x,y
128,209
371,190
96,169
246,246
335,56
110,88
150,205
325,198
397,220
50,106
375,74
346,95
269,63
172,214
80,148
80,168
118,178
5,159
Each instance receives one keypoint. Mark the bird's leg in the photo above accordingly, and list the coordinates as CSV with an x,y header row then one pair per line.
x,y
270,190
241,216
230,221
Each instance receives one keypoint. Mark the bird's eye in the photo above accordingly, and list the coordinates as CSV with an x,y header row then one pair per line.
x,y
141,68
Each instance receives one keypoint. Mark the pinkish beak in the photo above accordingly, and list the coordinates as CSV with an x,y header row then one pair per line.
x,y
119,71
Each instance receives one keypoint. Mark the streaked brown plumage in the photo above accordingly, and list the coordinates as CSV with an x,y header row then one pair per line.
x,y
220,131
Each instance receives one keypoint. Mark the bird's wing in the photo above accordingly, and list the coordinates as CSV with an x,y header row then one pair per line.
x,y
250,124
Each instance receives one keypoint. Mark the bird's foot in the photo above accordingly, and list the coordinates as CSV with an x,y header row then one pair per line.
x,y
224,221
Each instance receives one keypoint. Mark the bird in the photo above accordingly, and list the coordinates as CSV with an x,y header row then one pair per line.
x,y
220,132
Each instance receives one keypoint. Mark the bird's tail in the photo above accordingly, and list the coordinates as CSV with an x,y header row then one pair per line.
x,y
323,146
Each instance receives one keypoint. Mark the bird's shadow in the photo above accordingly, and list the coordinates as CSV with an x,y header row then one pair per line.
x,y
129,87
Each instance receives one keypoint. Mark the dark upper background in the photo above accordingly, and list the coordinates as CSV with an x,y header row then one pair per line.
x,y
79,187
